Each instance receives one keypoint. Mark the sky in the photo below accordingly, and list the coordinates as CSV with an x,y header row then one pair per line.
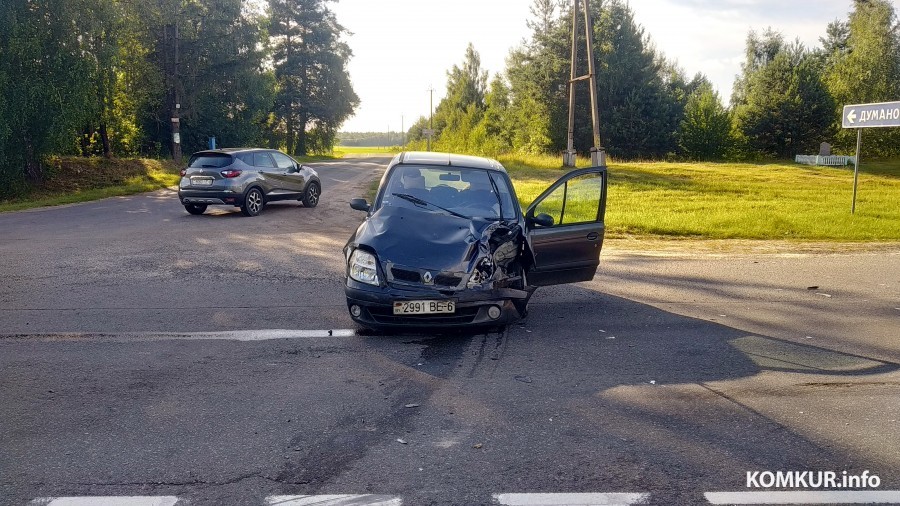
x,y
403,48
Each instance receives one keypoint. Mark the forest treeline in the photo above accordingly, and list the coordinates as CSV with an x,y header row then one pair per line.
x,y
103,78
106,77
786,100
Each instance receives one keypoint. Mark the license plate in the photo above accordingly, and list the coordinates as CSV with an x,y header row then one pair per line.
x,y
201,181
424,307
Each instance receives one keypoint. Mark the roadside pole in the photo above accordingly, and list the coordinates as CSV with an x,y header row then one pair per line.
x,y
856,169
859,116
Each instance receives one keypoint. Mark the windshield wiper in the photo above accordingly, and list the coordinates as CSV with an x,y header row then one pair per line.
x,y
417,200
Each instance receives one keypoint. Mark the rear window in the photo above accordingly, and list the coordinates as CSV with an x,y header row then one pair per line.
x,y
210,161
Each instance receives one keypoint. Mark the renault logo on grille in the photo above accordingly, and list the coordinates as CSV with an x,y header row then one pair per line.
x,y
428,278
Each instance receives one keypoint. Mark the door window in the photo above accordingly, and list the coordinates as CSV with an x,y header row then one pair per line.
x,y
263,160
282,160
575,201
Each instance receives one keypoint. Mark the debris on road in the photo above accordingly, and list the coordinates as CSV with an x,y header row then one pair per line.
x,y
823,294
814,287
401,441
477,446
652,382
523,379
412,406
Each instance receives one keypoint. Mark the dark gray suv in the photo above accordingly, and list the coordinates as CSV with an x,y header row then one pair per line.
x,y
246,178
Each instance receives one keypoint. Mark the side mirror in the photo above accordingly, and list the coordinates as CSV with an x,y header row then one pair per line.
x,y
363,205
543,220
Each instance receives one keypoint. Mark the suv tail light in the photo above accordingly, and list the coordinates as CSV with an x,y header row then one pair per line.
x,y
230,173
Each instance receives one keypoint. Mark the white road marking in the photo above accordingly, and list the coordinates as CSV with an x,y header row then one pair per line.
x,y
163,500
333,500
233,335
806,497
573,499
257,335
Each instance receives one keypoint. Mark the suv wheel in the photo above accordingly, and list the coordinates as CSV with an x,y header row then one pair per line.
x,y
253,202
311,197
195,208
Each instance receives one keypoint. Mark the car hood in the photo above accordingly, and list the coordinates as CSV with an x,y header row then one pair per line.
x,y
433,240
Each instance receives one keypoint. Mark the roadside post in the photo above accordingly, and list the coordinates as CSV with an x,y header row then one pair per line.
x,y
859,116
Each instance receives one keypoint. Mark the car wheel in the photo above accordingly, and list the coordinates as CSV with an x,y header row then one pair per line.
x,y
253,202
195,208
311,197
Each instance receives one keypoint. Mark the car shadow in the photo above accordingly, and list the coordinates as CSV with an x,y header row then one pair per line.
x,y
595,392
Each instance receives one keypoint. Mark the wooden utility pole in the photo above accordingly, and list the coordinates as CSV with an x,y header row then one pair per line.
x,y
598,155
176,105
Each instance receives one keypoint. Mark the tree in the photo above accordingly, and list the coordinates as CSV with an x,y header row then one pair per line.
x,y
314,94
867,70
705,131
538,73
495,130
46,93
785,108
462,108
760,51
639,113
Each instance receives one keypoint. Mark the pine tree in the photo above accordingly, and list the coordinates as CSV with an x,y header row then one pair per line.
x,y
705,131
315,94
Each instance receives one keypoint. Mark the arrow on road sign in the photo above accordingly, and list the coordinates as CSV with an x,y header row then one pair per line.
x,y
851,116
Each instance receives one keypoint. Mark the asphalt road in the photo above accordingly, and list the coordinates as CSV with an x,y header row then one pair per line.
x,y
139,357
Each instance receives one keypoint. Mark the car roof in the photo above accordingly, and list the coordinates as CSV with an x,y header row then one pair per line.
x,y
231,151
448,160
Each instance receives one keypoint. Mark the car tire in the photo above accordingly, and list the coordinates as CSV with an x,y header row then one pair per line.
x,y
311,195
195,209
254,202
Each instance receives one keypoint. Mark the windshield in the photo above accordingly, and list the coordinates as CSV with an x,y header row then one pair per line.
x,y
459,191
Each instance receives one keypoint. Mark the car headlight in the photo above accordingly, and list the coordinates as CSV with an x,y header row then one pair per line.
x,y
364,267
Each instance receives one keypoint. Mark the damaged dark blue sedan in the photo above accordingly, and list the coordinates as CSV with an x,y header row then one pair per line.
x,y
446,243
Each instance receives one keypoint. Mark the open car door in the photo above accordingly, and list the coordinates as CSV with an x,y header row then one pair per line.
x,y
564,228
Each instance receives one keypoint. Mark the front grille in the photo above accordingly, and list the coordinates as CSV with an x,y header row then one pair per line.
x,y
415,276
406,275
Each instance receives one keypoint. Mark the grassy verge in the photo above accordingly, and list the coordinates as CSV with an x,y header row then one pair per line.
x,y
728,200
349,151
74,180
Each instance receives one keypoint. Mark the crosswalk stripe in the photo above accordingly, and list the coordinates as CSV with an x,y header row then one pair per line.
x,y
573,499
333,500
806,497
162,500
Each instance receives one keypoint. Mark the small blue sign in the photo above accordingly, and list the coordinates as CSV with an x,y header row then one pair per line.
x,y
884,114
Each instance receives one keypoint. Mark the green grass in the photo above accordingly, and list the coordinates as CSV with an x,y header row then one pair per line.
x,y
350,151
648,199
730,200
75,179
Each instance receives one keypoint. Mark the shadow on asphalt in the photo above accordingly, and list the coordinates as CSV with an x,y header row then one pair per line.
x,y
594,392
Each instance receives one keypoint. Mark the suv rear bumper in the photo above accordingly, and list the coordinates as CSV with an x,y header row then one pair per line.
x,y
211,197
